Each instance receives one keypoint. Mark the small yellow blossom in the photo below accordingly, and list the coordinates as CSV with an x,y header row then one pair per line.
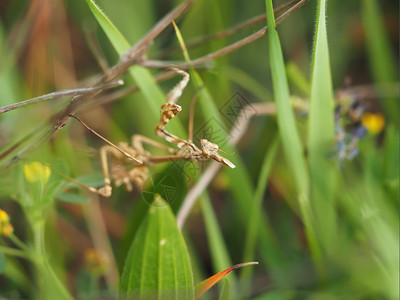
x,y
4,218
373,122
36,171
5,226
7,229
96,262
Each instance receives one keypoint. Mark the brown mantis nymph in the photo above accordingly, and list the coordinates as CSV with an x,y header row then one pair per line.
x,y
130,162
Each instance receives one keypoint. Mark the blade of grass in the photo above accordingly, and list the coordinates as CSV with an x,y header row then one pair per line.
x,y
297,77
19,277
381,56
380,222
239,178
132,18
290,138
219,253
391,161
225,291
153,94
321,134
247,82
256,211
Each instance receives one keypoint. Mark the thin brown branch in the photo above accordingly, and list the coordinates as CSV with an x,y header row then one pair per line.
x,y
130,58
95,48
108,98
59,94
202,61
143,44
136,56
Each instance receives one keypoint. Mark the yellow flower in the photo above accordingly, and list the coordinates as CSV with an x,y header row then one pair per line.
x,y
5,226
36,171
373,122
7,229
4,218
96,262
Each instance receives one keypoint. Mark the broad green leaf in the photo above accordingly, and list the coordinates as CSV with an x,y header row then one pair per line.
x,y
321,134
157,265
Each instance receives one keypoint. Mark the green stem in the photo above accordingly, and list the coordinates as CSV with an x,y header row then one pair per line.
x,y
15,252
47,278
18,242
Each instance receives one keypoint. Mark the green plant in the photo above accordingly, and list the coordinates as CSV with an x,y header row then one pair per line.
x,y
315,190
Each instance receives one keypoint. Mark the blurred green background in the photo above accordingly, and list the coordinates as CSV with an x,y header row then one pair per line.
x,y
45,46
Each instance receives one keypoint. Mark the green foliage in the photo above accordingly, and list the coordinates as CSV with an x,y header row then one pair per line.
x,y
142,77
288,131
157,264
2,262
320,225
321,133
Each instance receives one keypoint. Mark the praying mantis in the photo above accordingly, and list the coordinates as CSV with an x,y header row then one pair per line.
x,y
130,162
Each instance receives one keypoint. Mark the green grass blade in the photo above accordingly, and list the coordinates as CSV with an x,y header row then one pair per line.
x,y
132,18
382,58
321,134
240,181
239,178
2,262
285,116
383,63
297,78
18,275
225,292
289,135
140,75
256,208
116,38
382,229
158,264
247,82
219,253
391,161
